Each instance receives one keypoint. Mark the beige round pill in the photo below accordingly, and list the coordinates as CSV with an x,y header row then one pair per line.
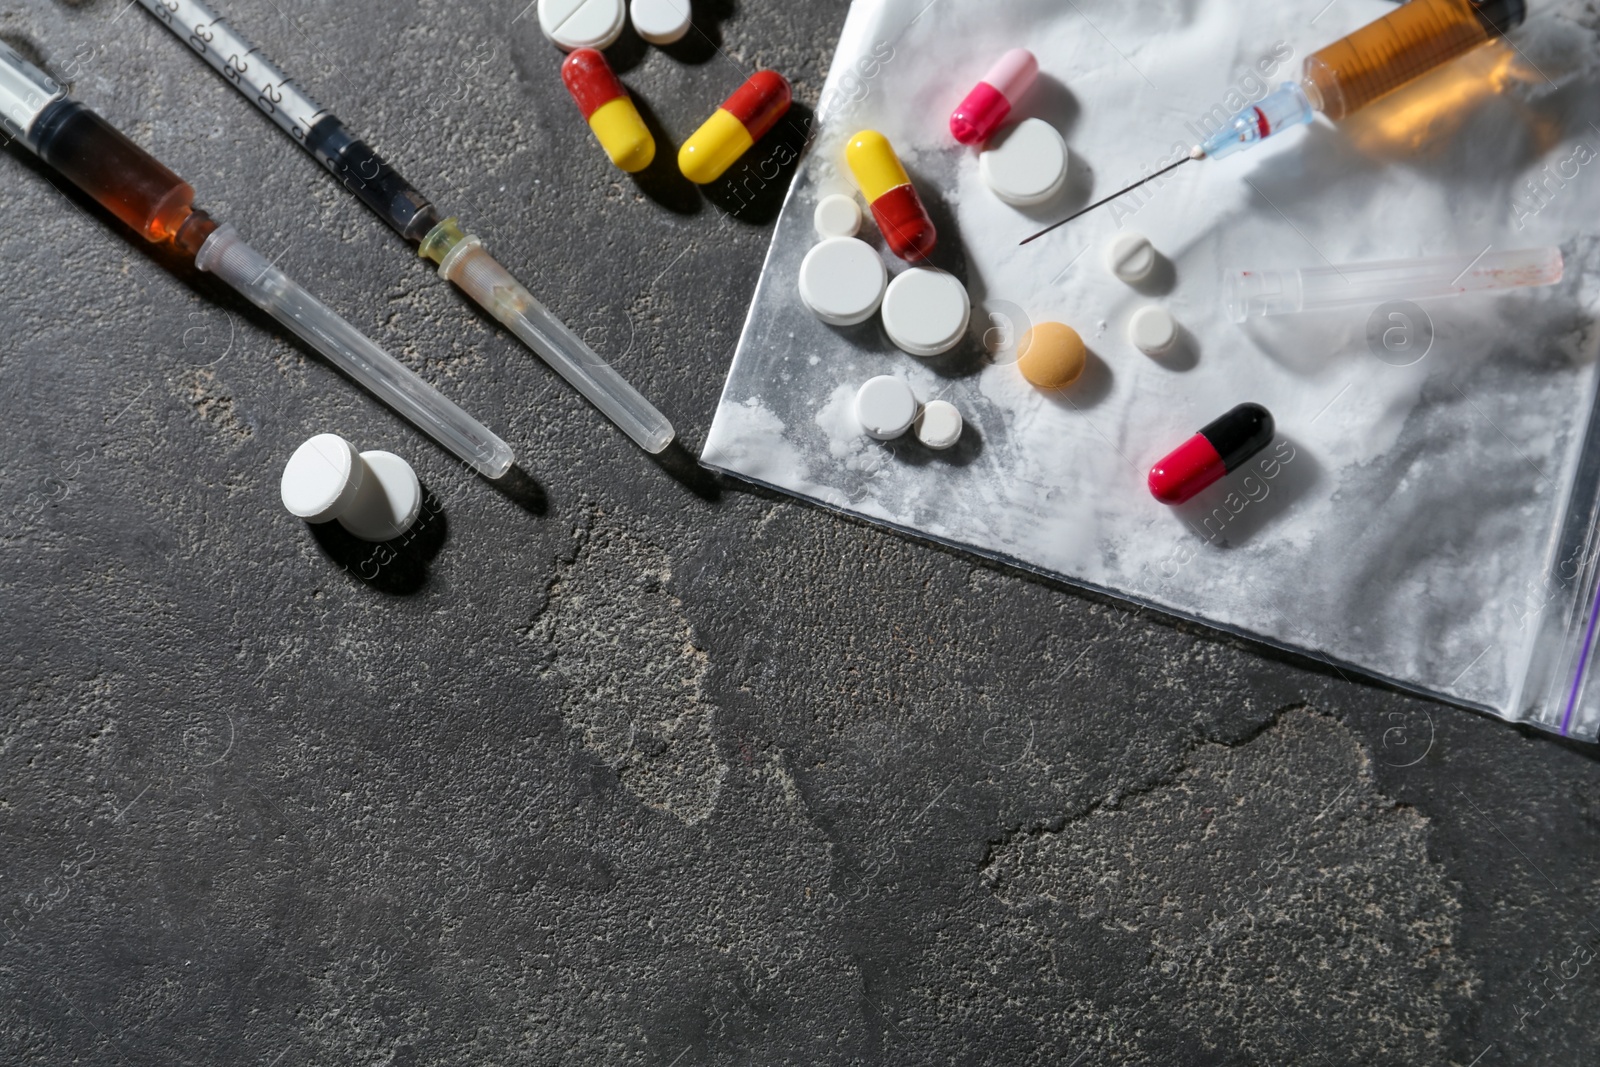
x,y
1052,355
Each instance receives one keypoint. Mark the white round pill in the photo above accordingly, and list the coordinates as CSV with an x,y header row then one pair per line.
x,y
660,21
926,311
388,502
1131,257
886,407
842,281
583,23
374,495
939,424
838,216
1025,164
1152,330
321,478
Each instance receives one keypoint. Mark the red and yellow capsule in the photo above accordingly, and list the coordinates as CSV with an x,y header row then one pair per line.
x,y
608,107
895,204
746,117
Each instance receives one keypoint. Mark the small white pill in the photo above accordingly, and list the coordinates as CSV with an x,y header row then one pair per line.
x,y
1026,164
374,495
1152,330
838,216
389,500
583,23
842,281
926,312
1131,257
886,407
661,21
939,424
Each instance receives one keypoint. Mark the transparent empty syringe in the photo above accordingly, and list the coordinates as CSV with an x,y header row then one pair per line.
x,y
1251,293
135,187
366,174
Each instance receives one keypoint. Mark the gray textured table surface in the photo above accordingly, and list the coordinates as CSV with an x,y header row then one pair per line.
x,y
620,764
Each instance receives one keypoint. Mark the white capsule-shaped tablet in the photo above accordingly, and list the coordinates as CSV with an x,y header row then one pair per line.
x,y
926,312
583,23
660,21
1152,330
939,424
1026,164
842,281
837,216
886,407
1131,257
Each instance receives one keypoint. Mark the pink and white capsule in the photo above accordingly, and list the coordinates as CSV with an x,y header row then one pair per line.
x,y
987,106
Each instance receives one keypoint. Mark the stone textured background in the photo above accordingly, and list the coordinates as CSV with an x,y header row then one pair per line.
x,y
615,762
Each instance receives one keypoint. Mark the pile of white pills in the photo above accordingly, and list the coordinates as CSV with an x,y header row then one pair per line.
x,y
886,408
1133,259
844,281
374,495
573,24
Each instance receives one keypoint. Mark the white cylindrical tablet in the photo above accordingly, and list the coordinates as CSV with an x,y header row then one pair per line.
x,y
388,502
926,311
838,216
1026,164
1152,330
321,478
583,23
886,407
842,281
939,424
660,21
1131,257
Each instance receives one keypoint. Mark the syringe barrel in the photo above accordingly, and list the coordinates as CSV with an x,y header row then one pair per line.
x,y
1277,292
128,181
313,127
1283,108
1401,46
267,287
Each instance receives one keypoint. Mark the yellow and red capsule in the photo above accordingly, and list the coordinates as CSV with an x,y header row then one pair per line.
x,y
896,206
609,109
747,116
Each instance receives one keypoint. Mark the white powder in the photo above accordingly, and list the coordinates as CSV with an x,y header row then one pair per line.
x,y
1408,508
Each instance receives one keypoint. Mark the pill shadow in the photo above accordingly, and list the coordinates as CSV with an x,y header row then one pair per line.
x,y
1091,388
949,254
703,42
682,467
754,189
629,51
1050,100
662,181
398,567
519,487
1162,279
1184,355
1232,512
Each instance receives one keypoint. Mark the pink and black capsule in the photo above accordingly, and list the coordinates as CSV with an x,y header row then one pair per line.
x,y
1220,448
